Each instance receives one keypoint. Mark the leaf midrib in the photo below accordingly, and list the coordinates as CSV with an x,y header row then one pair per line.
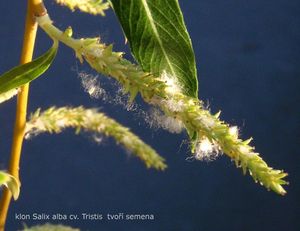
x,y
155,31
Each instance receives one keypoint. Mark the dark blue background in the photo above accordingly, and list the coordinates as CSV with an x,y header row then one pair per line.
x,y
248,63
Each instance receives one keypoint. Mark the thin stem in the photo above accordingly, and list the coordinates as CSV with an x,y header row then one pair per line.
x,y
46,24
34,7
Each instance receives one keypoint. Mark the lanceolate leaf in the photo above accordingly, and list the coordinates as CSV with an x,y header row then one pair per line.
x,y
158,39
11,183
25,73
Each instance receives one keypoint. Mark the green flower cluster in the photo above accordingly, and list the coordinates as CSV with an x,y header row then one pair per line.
x,y
133,79
164,93
201,122
89,6
54,120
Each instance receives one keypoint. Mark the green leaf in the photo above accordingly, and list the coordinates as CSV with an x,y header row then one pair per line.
x,y
25,73
11,183
159,40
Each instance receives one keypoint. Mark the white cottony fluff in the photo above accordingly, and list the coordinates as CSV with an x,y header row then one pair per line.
x,y
174,105
91,85
172,84
234,131
207,121
206,150
156,119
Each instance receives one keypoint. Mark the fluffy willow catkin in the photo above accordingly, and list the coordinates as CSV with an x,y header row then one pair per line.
x,y
55,120
164,92
94,7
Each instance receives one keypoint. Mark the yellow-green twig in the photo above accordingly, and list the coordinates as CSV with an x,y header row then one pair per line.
x,y
34,7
